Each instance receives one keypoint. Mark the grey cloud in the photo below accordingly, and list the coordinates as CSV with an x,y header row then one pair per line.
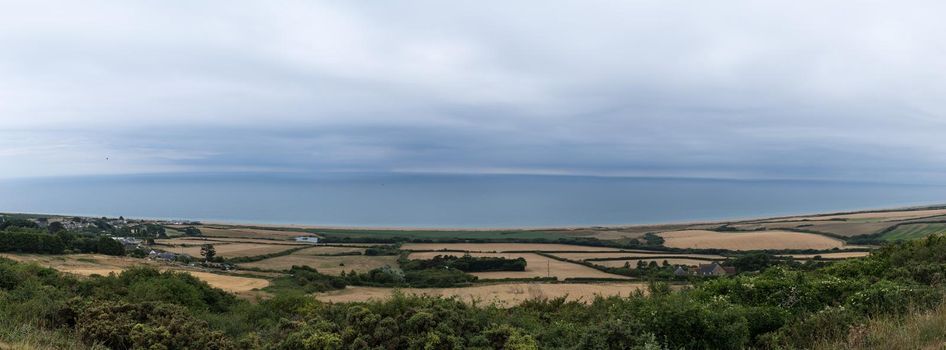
x,y
846,90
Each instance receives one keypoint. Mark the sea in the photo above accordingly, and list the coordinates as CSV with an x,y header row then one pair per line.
x,y
447,201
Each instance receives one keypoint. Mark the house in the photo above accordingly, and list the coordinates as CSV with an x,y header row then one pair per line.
x,y
681,271
307,239
128,242
714,269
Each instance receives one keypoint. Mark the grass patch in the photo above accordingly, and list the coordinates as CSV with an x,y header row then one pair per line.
x,y
913,231
916,330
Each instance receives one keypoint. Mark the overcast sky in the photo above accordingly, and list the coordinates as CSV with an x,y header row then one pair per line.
x,y
840,90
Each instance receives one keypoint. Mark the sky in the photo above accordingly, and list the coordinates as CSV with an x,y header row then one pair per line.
x,y
839,90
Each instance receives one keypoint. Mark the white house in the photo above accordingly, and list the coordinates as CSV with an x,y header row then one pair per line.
x,y
307,239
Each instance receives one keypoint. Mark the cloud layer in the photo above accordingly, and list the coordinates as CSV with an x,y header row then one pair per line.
x,y
742,89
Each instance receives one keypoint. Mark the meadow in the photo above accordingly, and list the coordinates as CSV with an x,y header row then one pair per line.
x,y
913,231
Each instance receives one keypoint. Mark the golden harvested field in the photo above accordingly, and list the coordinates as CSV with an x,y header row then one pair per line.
x,y
503,247
841,255
507,294
754,240
93,264
230,250
536,266
633,262
882,215
332,265
586,256
228,283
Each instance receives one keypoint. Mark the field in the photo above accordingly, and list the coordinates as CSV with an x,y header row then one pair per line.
x,y
89,264
633,254
509,294
536,266
232,250
503,247
220,240
753,240
913,231
873,216
316,258
840,228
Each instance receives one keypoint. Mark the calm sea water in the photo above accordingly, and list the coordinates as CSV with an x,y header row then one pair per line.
x,y
447,200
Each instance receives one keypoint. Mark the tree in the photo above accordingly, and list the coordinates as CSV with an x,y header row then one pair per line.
x,y
192,231
108,246
208,252
22,223
56,227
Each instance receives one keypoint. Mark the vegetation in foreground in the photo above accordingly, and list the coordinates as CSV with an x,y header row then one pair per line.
x,y
780,307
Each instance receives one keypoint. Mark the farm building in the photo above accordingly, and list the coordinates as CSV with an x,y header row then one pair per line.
x,y
714,269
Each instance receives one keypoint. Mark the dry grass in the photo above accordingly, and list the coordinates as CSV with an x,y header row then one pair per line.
x,y
917,330
332,265
536,266
633,262
841,255
754,240
93,264
503,247
631,255
233,284
231,250
507,295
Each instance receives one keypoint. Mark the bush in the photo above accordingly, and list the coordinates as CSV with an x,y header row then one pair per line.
x,y
144,325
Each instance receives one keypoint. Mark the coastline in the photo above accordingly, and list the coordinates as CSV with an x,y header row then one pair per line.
x,y
237,223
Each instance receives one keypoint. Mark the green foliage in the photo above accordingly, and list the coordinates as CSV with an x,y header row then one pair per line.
x,y
26,240
144,325
382,250
17,223
465,263
782,306
208,252
192,231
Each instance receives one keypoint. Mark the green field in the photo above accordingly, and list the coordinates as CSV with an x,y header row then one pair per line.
x,y
913,231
